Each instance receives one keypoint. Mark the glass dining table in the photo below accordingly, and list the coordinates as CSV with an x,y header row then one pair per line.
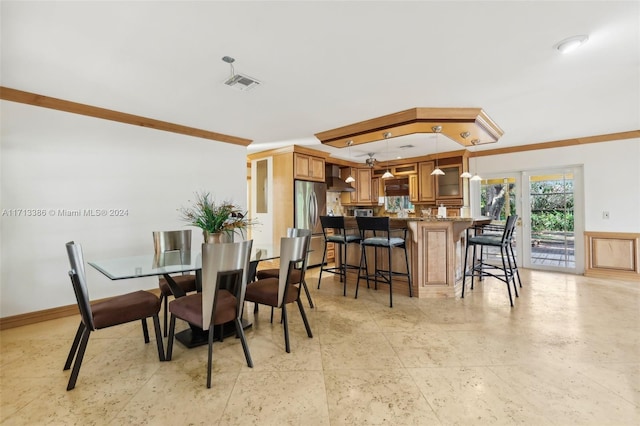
x,y
177,262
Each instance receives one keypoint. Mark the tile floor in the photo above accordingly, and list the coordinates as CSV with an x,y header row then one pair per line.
x,y
567,353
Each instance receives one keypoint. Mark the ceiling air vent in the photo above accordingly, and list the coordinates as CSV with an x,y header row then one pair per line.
x,y
242,82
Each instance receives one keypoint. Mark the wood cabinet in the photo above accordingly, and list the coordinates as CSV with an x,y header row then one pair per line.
x,y
426,182
402,170
444,189
375,190
414,192
363,186
348,198
449,185
364,193
308,167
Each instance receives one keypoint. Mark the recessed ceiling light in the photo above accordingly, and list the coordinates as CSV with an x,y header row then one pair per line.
x,y
572,43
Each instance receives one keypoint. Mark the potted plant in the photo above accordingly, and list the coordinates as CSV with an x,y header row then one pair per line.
x,y
217,220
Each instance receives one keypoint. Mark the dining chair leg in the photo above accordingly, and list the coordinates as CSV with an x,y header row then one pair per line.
x,y
210,355
74,347
156,325
306,290
145,330
172,326
78,362
243,340
304,318
285,324
390,279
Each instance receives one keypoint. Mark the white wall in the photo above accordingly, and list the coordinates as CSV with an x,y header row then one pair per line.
x,y
611,178
53,160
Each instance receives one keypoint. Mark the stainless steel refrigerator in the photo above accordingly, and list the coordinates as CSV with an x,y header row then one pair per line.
x,y
310,204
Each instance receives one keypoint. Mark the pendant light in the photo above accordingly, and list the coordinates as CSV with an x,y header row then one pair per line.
x,y
387,174
437,171
465,175
475,177
349,178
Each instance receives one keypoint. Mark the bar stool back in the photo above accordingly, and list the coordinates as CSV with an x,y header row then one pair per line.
x,y
376,232
334,231
507,271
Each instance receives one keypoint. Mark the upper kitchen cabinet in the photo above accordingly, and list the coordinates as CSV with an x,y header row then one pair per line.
x,y
426,182
308,167
363,186
349,198
414,192
364,193
399,170
449,185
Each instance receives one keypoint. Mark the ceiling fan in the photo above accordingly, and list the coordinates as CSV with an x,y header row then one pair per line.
x,y
371,161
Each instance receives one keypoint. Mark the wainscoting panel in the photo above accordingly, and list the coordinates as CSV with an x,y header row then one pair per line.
x,y
612,254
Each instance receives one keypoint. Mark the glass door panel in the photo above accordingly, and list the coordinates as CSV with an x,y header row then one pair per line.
x,y
551,220
499,200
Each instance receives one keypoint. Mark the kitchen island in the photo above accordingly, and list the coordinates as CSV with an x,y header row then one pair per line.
x,y
436,254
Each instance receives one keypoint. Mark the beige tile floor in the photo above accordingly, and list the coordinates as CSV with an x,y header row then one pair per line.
x,y
567,353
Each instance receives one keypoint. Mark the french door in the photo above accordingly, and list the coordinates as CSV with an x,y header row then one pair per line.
x,y
500,198
553,218
548,203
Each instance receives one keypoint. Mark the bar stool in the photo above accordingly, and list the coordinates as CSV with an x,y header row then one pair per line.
x,y
341,238
381,238
507,271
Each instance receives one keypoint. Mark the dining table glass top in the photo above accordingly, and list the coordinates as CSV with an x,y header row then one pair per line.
x,y
171,262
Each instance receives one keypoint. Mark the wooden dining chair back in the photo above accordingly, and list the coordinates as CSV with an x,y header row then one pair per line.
x,y
297,273
138,305
166,245
225,268
278,292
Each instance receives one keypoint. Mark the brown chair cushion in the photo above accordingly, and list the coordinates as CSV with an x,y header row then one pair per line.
x,y
185,282
189,308
265,292
125,308
275,273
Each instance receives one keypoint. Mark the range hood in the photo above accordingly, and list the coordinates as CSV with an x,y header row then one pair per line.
x,y
334,182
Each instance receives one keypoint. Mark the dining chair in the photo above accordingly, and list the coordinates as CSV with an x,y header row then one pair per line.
x,y
297,275
164,243
225,268
507,270
138,305
278,292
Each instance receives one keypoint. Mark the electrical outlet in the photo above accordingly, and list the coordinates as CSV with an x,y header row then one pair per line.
x,y
605,215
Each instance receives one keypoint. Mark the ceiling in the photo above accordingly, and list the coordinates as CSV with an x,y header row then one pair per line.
x,y
324,65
